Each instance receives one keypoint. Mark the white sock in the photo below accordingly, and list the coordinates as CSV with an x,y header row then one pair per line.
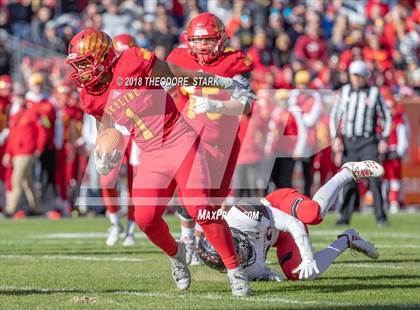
x,y
327,256
114,218
131,227
233,270
328,193
187,233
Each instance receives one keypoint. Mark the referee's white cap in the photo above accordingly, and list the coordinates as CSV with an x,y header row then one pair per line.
x,y
359,67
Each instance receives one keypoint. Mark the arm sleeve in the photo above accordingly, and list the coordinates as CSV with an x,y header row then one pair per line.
x,y
309,119
302,136
287,223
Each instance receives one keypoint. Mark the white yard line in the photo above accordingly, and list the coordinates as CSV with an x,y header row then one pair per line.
x,y
208,296
76,257
84,235
373,266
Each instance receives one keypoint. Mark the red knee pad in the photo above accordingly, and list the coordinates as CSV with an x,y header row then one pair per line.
x,y
307,211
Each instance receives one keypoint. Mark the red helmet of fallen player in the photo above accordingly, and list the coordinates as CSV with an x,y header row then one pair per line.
x,y
91,54
123,42
206,37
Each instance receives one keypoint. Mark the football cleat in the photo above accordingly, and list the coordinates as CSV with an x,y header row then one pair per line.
x,y
114,235
364,169
180,272
357,243
239,282
129,240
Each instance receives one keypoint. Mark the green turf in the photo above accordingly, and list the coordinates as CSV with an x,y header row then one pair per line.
x,y
43,265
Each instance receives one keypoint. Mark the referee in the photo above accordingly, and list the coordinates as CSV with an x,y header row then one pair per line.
x,y
360,124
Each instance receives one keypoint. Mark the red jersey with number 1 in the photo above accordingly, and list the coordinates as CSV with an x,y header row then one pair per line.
x,y
148,112
215,128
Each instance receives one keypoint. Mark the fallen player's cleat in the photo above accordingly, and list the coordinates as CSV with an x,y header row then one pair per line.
x,y
364,169
239,282
114,235
180,272
357,243
129,240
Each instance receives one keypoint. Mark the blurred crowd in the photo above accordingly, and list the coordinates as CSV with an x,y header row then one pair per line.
x,y
293,45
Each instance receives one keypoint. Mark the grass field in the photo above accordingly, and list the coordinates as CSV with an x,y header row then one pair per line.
x,y
66,265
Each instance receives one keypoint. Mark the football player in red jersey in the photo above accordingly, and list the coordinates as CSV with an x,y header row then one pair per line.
x,y
207,109
5,103
110,194
119,91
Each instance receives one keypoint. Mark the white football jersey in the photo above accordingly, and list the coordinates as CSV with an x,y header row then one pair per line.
x,y
256,222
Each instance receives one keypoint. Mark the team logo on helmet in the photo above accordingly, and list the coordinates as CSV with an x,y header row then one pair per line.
x,y
91,54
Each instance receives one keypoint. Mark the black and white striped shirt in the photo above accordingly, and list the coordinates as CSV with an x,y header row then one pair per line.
x,y
358,112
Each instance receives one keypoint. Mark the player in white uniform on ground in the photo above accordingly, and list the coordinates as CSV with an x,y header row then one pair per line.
x,y
257,228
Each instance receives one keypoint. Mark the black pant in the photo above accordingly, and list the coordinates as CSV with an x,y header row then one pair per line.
x,y
307,170
358,149
47,160
282,173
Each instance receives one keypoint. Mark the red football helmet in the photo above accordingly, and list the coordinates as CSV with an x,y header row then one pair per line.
x,y
123,42
91,54
206,26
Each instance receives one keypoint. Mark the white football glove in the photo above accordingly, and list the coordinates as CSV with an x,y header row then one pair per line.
x,y
3,136
307,268
270,275
108,162
204,105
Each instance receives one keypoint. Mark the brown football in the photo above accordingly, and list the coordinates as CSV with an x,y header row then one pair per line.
x,y
109,140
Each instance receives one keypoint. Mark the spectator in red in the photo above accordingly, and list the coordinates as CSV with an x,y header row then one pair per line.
x,y
280,142
374,52
306,107
376,8
27,139
5,102
66,157
311,48
354,52
398,145
41,102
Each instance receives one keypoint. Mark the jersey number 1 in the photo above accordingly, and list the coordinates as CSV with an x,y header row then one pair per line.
x,y
146,133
